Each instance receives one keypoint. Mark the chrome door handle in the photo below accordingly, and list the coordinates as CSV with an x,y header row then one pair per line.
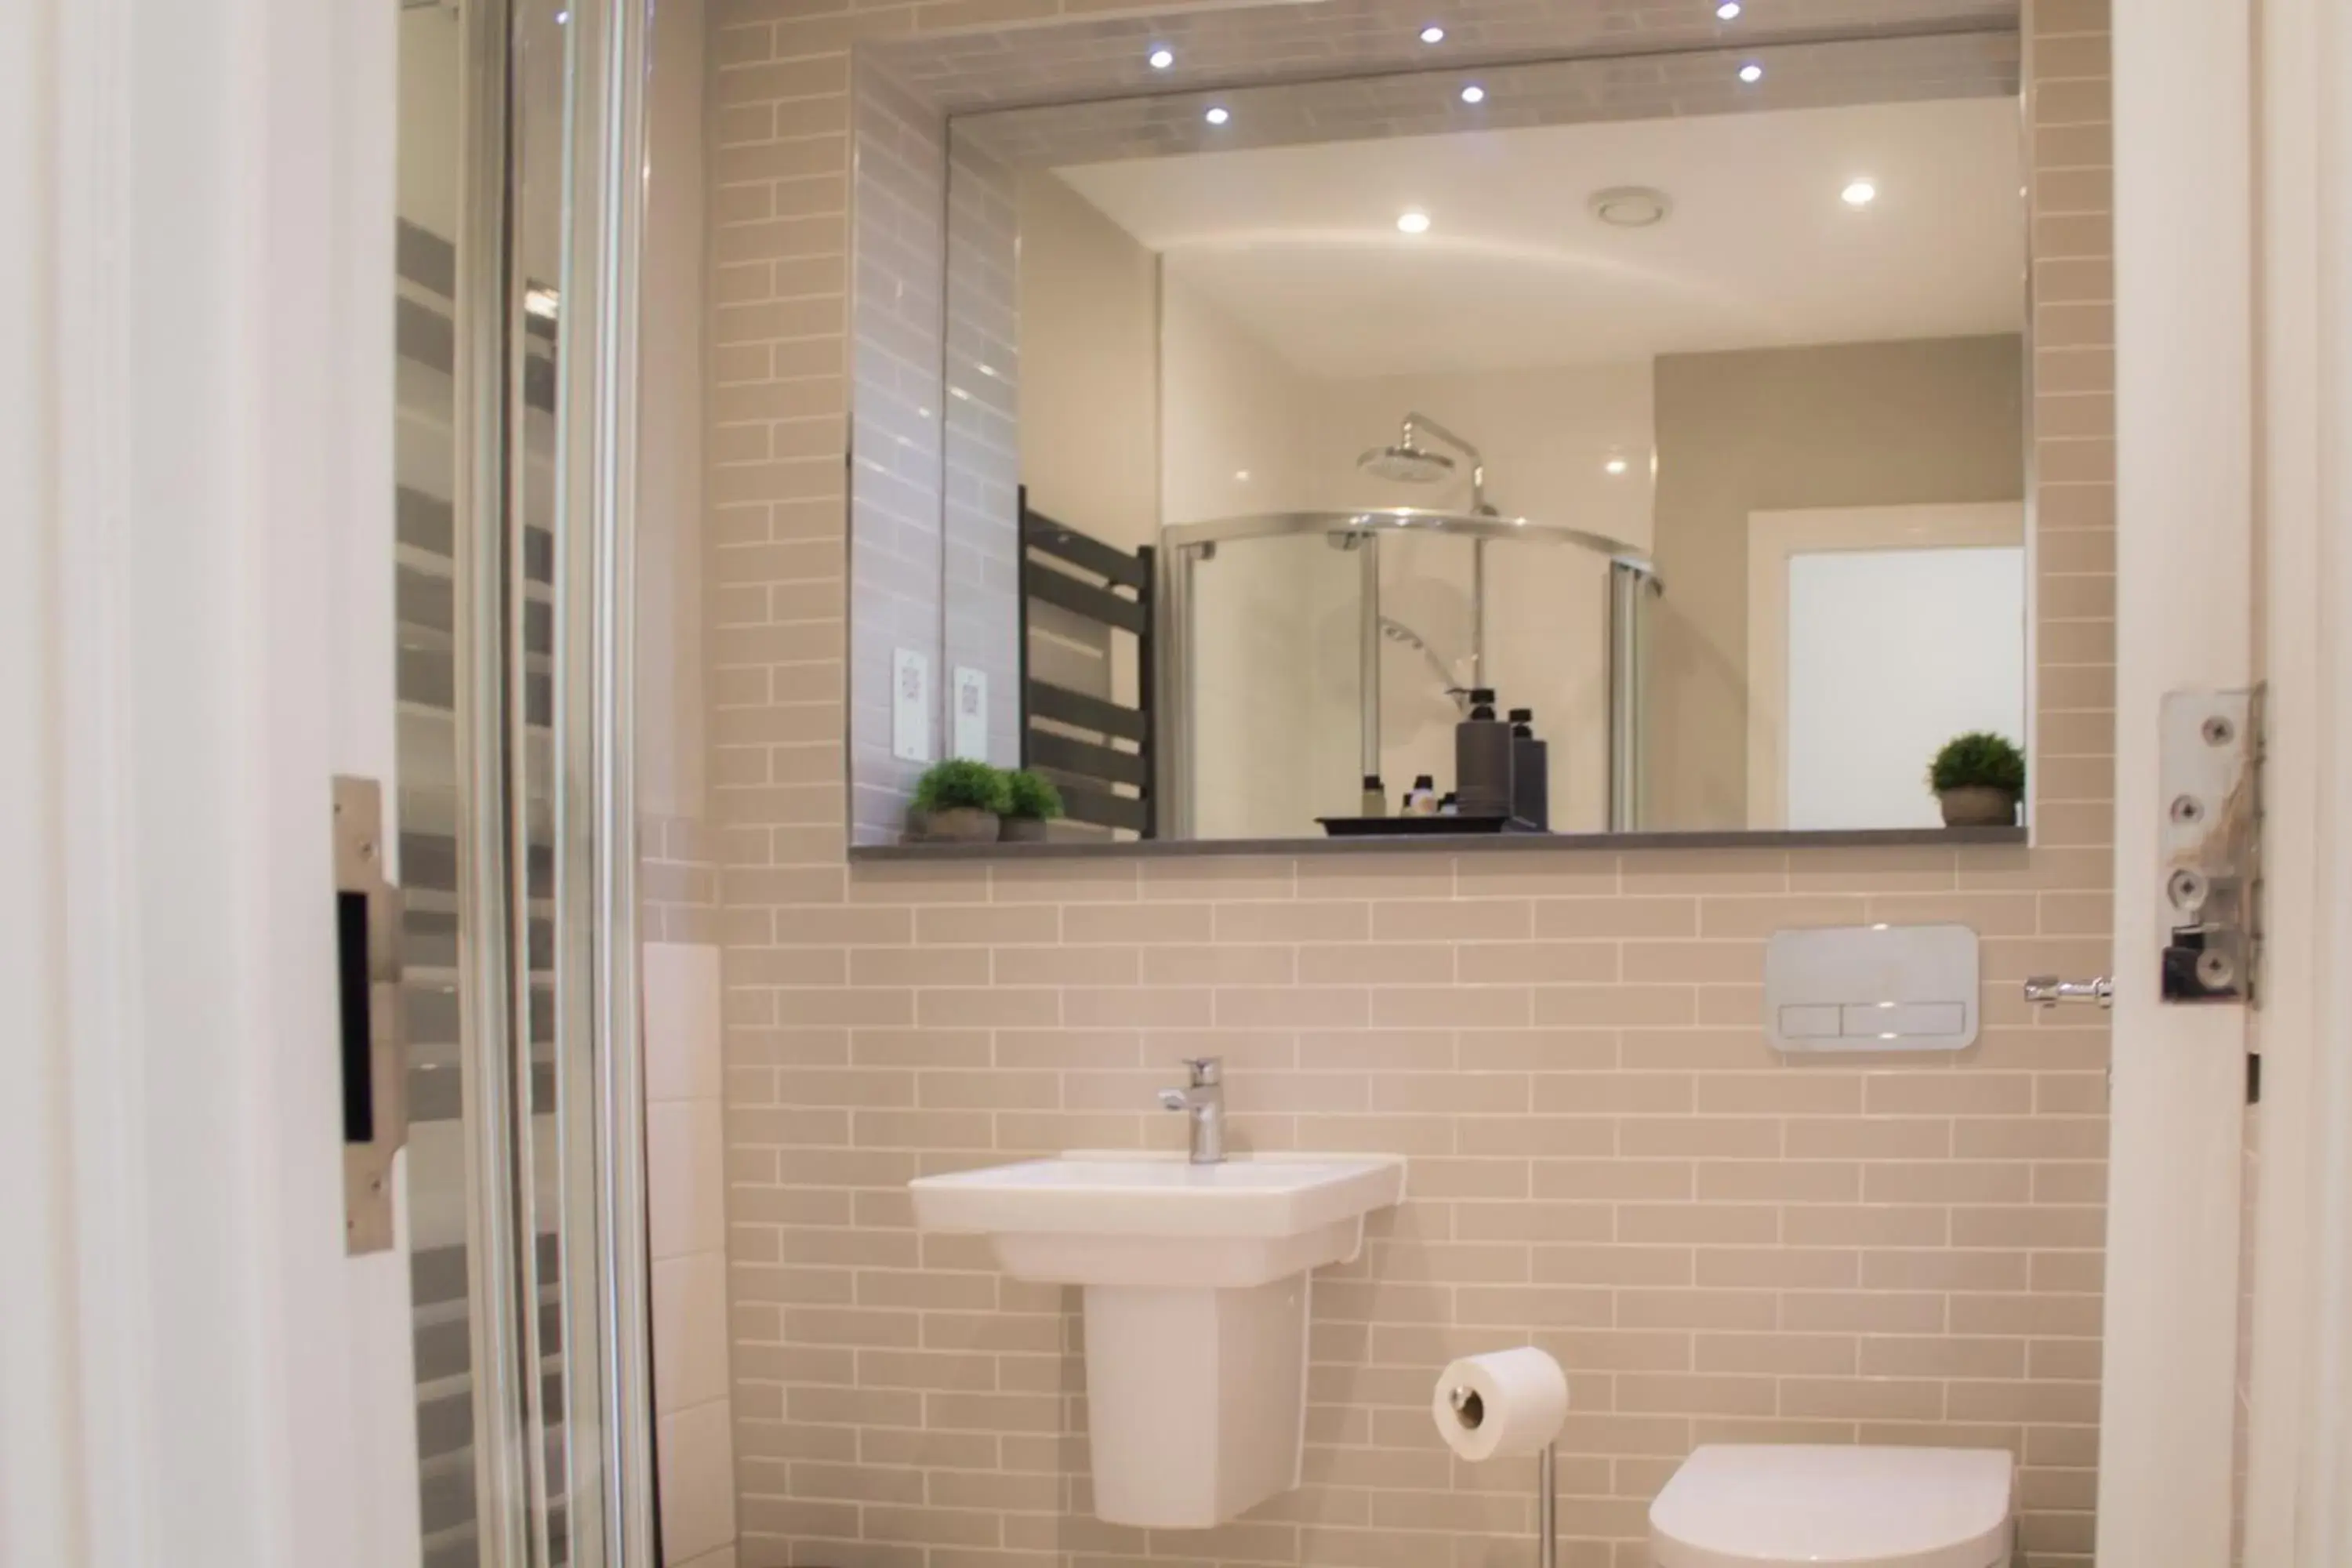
x,y
2048,990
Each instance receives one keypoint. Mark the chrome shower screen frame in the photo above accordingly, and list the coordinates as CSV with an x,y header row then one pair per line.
x,y
1633,582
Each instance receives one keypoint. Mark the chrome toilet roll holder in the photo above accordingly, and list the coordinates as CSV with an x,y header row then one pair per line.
x,y
1471,1411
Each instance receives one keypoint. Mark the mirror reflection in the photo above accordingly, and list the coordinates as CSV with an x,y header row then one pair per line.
x,y
1565,447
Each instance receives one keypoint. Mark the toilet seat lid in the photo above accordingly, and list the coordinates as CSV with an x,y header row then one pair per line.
x,y
1768,1506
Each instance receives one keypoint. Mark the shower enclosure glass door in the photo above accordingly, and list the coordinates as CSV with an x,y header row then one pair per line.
x,y
1308,652
1269,729
517,143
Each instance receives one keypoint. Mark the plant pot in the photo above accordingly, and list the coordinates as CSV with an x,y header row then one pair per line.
x,y
1978,806
962,825
1026,830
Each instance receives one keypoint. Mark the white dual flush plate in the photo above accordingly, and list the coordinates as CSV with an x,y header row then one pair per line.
x,y
1872,988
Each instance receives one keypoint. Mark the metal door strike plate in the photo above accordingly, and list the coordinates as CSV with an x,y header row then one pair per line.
x,y
368,976
2210,837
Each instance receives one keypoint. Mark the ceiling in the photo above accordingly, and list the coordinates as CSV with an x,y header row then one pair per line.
x,y
1300,244
1093,51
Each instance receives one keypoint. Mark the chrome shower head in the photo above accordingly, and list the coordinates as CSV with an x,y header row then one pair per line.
x,y
1407,463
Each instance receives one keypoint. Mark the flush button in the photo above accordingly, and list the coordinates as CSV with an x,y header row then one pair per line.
x,y
1905,1018
1812,1022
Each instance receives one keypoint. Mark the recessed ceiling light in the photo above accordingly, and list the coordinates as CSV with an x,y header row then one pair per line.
x,y
1751,72
1413,222
1616,465
1630,206
1728,12
1474,93
1432,34
1860,194
1160,60
1218,115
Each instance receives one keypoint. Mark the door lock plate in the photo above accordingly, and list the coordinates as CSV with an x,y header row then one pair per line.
x,y
372,1016
2208,867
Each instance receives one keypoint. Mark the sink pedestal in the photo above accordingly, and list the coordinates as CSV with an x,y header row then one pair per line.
x,y
1196,1399
1196,1283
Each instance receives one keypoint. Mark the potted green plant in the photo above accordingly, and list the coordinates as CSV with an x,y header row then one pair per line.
x,y
1033,803
959,800
1979,778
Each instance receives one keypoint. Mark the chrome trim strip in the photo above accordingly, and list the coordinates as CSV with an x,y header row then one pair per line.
x,y
606,1349
1628,596
495,919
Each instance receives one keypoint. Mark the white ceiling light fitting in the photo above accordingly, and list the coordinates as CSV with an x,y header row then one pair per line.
x,y
1615,467
1160,58
1751,73
1859,193
1432,34
1630,206
1218,115
1414,222
1728,12
1474,93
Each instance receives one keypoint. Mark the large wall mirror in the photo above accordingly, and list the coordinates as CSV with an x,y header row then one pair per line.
x,y
1675,404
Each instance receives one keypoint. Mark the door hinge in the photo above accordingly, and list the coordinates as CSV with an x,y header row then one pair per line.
x,y
370,1015
2210,833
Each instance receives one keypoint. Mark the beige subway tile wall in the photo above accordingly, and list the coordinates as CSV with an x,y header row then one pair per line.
x,y
1606,1160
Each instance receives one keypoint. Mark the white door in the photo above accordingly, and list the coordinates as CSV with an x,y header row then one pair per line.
x,y
2298,1501
198,544
1874,634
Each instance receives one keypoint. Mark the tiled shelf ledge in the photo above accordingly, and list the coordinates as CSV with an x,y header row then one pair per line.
x,y
1449,843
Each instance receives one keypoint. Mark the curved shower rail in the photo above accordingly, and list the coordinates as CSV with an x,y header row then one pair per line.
x,y
1377,521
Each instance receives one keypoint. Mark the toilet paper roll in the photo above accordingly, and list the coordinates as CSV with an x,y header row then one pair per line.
x,y
1501,1404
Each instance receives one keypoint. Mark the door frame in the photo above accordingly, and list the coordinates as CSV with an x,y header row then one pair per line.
x,y
2298,1499
198,506
2234,412
1774,538
2183,97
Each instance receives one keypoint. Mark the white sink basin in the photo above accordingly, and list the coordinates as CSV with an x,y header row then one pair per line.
x,y
1197,1280
1144,1219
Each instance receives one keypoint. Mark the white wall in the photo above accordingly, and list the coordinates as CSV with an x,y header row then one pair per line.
x,y
1089,367
1272,632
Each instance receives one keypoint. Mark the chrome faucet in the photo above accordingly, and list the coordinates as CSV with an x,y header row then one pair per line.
x,y
1203,1098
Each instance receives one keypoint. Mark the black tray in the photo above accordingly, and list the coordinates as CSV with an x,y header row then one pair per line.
x,y
1418,827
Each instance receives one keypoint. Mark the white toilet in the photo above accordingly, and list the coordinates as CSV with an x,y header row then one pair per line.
x,y
1767,1506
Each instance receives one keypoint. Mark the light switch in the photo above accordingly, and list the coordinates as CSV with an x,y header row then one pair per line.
x,y
911,706
1872,988
970,712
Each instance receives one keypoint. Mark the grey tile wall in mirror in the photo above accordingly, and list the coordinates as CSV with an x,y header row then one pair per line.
x,y
1668,385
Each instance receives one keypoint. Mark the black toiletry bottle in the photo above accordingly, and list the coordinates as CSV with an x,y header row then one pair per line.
x,y
1530,773
1482,759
